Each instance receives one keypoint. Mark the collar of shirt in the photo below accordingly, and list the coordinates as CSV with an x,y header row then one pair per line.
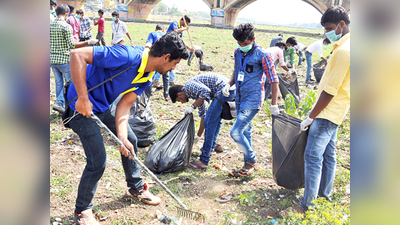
x,y
341,41
143,64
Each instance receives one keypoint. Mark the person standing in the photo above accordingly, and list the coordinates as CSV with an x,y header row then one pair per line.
x,y
101,28
86,26
119,30
300,47
90,67
252,66
276,39
289,52
151,39
313,48
178,27
74,22
332,105
276,53
205,87
53,5
61,42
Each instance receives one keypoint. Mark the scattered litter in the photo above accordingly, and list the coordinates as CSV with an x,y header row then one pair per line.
x,y
78,176
217,166
108,185
223,197
58,219
169,220
258,181
220,157
225,169
273,221
70,142
103,218
281,196
244,182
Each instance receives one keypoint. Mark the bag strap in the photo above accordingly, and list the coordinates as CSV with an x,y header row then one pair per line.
x,y
219,100
109,79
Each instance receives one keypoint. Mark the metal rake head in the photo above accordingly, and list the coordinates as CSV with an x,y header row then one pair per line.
x,y
196,216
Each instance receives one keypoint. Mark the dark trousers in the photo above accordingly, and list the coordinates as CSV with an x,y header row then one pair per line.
x,y
92,142
100,37
84,39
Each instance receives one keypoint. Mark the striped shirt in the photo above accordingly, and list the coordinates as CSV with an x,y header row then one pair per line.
x,y
205,86
61,41
86,24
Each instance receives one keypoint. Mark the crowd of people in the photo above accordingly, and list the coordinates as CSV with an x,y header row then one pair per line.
x,y
82,64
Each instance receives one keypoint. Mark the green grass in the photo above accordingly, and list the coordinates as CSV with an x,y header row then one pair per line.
x,y
61,186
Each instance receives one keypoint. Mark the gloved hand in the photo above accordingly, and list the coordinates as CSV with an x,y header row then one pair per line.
x,y
274,110
305,123
225,90
131,43
196,139
189,109
92,41
84,34
294,71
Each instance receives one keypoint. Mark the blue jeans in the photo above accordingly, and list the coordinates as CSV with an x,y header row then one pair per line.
x,y
92,142
301,57
320,161
61,72
241,133
212,126
309,65
171,76
157,76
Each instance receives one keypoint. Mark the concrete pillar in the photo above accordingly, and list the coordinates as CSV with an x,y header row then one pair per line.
x,y
77,3
218,17
139,11
230,16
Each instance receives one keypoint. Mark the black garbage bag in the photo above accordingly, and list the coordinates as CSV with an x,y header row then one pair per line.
x,y
140,119
172,151
288,146
319,69
289,85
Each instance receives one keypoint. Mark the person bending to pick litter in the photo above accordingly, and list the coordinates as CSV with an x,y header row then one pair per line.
x,y
137,65
252,66
328,113
205,87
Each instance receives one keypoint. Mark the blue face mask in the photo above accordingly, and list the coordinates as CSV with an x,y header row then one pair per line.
x,y
51,11
78,16
245,48
332,36
325,44
114,18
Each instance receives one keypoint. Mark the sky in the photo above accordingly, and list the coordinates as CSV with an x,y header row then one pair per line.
x,y
270,11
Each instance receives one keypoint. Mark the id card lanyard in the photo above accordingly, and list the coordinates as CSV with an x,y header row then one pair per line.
x,y
242,65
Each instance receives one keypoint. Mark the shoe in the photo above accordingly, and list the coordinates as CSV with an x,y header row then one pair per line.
x,y
58,108
85,218
145,196
303,60
309,82
312,80
171,83
218,148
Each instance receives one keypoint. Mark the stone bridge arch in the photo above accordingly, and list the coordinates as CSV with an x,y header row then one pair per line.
x,y
223,12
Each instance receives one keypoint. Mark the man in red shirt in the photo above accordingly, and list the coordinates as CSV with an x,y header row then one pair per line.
x,y
100,33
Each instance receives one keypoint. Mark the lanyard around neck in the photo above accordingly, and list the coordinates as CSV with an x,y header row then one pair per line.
x,y
241,61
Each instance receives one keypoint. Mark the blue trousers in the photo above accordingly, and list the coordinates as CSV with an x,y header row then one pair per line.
x,y
92,142
320,161
309,65
61,72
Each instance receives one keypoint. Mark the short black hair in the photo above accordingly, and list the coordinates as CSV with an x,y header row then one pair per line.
x,y
187,19
101,11
291,40
174,90
243,32
62,9
327,40
71,8
280,44
280,35
159,27
53,2
79,11
199,53
115,13
172,44
335,14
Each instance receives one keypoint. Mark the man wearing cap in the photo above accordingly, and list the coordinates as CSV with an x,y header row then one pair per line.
x,y
119,30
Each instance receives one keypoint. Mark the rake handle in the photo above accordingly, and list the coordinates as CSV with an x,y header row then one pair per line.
x,y
101,124
194,52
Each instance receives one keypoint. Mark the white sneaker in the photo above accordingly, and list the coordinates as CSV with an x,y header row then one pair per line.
x,y
85,218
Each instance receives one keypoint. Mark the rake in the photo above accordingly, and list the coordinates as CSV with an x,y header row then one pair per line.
x,y
184,211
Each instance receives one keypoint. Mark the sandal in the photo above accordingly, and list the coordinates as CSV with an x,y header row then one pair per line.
x,y
198,165
248,169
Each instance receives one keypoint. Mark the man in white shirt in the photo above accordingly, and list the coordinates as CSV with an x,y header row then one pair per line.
x,y
119,30
300,47
313,48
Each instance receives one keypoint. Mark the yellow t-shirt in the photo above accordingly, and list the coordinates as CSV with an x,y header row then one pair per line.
x,y
336,82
